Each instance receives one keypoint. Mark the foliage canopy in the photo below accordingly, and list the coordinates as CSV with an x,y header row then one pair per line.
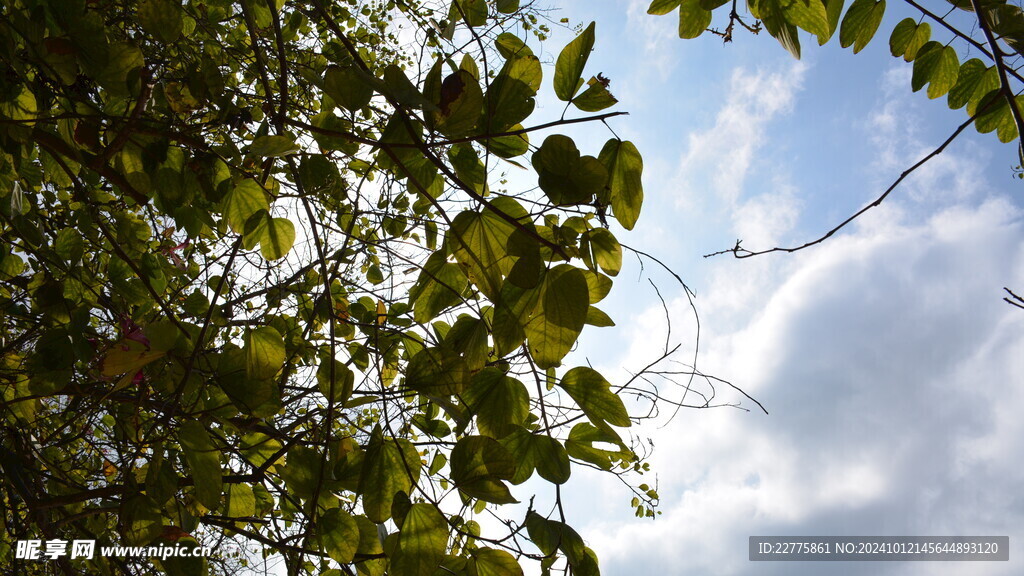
x,y
261,278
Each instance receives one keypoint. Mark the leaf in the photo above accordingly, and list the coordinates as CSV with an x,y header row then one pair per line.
x,y
662,7
337,386
338,534
810,15
479,243
203,460
510,98
936,66
161,18
391,465
551,535
472,12
693,19
537,451
269,146
594,396
566,177
275,236
595,98
580,445
553,331
128,357
974,81
596,317
625,168
439,287
240,501
901,36
860,23
422,542
492,562
499,402
264,353
570,64
461,103
507,6
607,250
478,466
244,200
834,9
997,116
348,87
511,46
141,520
437,372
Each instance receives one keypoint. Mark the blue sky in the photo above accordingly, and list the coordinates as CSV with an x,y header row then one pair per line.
x,y
886,357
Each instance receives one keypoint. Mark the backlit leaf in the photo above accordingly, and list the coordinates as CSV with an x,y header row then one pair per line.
x,y
570,64
860,23
203,461
264,353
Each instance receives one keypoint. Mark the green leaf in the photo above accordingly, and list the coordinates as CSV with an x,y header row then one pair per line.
x,y
997,116
437,372
511,46
161,18
339,387
537,451
553,331
492,562
304,473
860,23
264,353
580,445
274,235
551,535
244,200
662,7
348,87
834,9
141,520
973,83
461,103
595,98
625,187
121,71
479,243
507,6
920,38
240,501
594,396
901,36
510,99
203,460
268,146
570,63
693,19
596,317
391,465
607,250
338,534
472,12
422,542
478,466
810,15
936,66
440,286
566,177
501,403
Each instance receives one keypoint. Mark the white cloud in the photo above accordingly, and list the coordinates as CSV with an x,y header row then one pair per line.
x,y
891,368
721,156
